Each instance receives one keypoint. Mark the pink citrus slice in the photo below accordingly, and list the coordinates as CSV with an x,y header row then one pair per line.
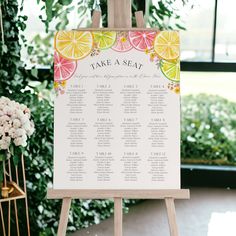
x,y
63,68
122,43
142,40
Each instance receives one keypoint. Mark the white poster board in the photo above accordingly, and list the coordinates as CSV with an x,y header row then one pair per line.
x,y
117,110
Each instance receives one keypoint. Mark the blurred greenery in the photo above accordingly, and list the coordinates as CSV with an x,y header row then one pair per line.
x,y
39,50
208,130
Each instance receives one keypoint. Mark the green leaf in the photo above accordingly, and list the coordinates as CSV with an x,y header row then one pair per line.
x,y
161,6
180,27
65,2
34,72
30,50
49,14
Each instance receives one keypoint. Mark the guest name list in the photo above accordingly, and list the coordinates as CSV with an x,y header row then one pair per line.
x,y
117,126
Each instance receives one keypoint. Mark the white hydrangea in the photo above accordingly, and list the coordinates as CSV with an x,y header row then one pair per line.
x,y
15,123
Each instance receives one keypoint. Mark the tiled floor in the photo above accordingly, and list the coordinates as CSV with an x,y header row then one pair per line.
x,y
210,212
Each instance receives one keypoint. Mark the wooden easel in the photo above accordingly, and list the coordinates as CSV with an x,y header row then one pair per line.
x,y
119,16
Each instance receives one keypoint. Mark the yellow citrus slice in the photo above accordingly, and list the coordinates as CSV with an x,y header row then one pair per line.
x,y
171,69
73,45
104,39
166,45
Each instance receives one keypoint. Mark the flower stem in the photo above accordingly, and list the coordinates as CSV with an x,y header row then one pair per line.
x,y
4,175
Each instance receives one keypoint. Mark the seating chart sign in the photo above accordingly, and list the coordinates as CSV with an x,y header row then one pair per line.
x,y
117,109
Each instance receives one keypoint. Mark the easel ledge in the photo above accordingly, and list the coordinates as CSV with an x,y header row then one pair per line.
x,y
129,194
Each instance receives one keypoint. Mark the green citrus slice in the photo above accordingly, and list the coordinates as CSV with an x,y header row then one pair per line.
x,y
171,69
104,39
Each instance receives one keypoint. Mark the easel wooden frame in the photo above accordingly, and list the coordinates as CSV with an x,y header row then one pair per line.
x,y
119,16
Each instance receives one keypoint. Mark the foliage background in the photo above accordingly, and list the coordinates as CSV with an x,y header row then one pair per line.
x,y
208,130
34,87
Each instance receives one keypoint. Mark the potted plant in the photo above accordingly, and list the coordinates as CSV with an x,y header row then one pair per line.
x,y
16,126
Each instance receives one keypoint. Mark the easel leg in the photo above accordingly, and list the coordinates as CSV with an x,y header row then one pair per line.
x,y
118,216
170,206
9,218
3,222
66,202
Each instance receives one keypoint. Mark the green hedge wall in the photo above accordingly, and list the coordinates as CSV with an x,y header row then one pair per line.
x,y
208,130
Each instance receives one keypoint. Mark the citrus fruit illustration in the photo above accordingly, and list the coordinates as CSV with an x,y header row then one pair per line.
x,y
142,40
63,68
166,45
104,39
122,43
73,45
171,69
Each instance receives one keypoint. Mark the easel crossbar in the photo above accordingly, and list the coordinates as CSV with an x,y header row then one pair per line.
x,y
128,194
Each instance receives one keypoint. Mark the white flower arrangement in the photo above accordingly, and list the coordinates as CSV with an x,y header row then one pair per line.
x,y
15,124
